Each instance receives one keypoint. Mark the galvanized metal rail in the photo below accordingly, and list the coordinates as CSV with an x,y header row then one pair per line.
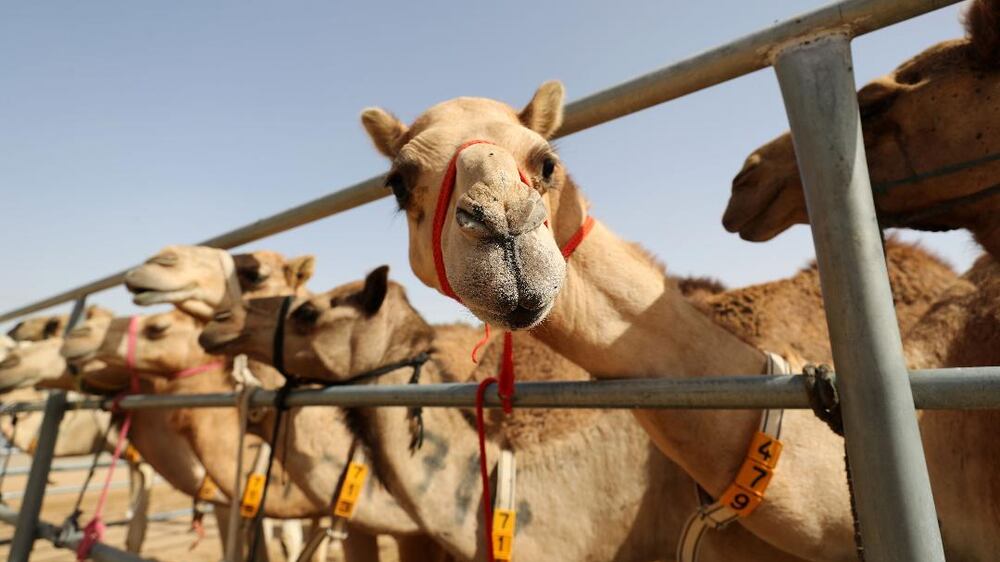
x,y
933,389
812,58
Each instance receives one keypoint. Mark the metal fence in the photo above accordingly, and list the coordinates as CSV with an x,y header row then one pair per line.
x,y
811,57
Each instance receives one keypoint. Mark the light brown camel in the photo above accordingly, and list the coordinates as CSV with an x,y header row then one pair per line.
x,y
189,277
590,484
168,343
38,328
938,110
312,463
963,330
617,315
36,365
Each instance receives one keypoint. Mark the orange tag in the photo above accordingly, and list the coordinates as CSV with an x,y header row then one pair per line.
x,y
764,449
753,477
504,521
132,454
206,492
743,502
32,446
252,495
350,492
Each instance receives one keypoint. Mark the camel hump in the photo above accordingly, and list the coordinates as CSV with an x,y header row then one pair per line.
x,y
535,361
982,24
917,277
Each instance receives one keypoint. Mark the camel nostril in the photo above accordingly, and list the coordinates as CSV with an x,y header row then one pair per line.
x,y
743,177
223,316
472,223
81,332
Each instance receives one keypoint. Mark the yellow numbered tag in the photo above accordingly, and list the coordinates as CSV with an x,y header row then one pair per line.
x,y
739,500
132,454
206,492
765,449
753,477
252,495
354,482
504,521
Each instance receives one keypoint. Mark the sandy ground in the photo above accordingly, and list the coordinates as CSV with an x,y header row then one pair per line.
x,y
169,540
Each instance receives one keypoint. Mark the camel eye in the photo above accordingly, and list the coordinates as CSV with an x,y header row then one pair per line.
x,y
397,184
548,168
305,315
252,276
157,330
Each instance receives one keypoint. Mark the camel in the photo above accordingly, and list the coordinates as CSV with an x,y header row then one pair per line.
x,y
189,277
168,344
969,315
935,111
201,272
35,365
40,328
495,244
364,325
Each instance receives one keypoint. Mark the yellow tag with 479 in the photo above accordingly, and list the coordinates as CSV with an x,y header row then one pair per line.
x,y
504,521
354,482
252,495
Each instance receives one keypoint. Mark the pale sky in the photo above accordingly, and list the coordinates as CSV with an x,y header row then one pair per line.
x,y
126,126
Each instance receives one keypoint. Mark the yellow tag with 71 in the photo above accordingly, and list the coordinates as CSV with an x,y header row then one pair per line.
x,y
252,495
354,482
504,521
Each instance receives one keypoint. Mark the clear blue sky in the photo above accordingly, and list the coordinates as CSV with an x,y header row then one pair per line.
x,y
126,126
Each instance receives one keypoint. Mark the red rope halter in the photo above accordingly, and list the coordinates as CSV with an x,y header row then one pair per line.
x,y
93,532
505,378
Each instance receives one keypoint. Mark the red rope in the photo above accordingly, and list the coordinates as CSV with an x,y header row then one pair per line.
x,y
93,532
480,344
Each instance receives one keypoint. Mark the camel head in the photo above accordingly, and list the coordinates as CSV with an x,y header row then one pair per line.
x,y
939,109
32,363
40,328
193,278
165,343
330,336
497,249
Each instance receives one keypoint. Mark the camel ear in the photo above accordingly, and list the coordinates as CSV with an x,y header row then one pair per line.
x,y
385,130
299,270
544,113
376,287
95,311
877,97
982,25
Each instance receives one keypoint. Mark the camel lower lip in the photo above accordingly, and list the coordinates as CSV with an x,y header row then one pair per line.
x,y
146,297
522,318
216,343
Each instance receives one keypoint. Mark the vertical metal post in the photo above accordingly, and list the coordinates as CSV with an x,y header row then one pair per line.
x,y
27,519
79,306
892,489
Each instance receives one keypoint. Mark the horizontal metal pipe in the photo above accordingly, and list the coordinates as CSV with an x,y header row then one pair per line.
x,y
69,489
934,389
712,67
99,552
63,467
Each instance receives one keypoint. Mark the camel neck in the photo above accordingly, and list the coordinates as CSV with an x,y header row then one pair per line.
x,y
619,316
